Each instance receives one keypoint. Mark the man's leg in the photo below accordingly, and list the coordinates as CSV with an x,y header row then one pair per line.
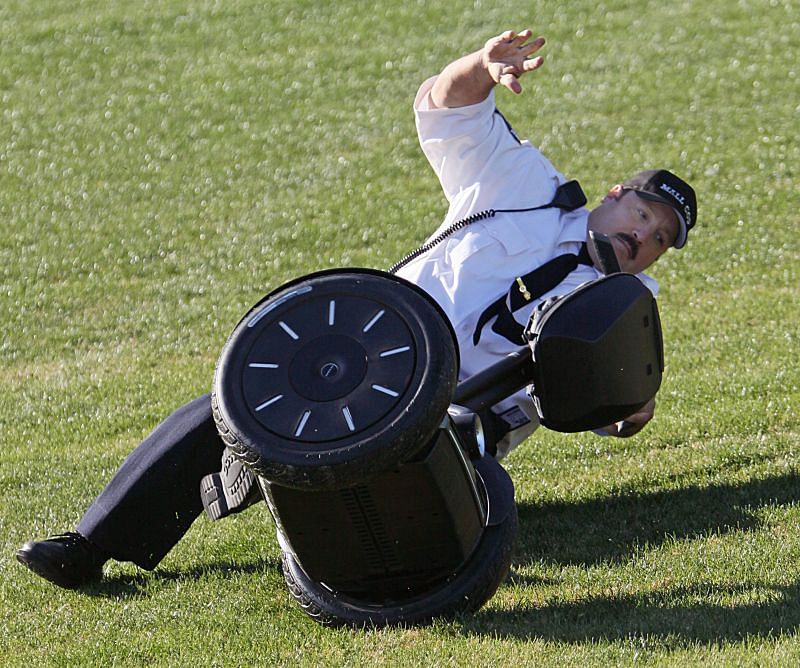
x,y
145,509
155,496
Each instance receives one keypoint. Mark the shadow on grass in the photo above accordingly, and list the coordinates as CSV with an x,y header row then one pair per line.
x,y
611,530
655,615
602,531
137,585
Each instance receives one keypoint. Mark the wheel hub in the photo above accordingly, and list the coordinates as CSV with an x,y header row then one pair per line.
x,y
328,368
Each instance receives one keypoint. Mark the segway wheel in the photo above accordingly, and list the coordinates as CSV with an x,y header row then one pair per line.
x,y
335,377
465,591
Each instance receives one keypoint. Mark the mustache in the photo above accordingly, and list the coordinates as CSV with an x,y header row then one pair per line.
x,y
630,242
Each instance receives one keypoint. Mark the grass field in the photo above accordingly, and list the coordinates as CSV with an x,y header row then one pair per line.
x,y
164,164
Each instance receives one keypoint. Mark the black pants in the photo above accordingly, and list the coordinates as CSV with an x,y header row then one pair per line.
x,y
155,496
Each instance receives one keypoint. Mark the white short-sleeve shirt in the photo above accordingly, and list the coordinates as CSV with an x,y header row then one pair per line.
x,y
482,165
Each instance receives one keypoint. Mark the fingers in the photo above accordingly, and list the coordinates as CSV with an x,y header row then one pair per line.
x,y
517,41
508,75
497,70
519,38
532,47
636,422
510,81
531,64
508,57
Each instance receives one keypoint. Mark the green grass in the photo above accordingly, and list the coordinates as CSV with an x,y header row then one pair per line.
x,y
164,164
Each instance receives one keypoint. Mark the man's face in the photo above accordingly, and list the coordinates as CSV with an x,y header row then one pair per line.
x,y
639,229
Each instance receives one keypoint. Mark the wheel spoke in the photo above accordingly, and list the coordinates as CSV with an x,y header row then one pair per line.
x,y
348,418
395,351
373,320
269,402
302,424
289,330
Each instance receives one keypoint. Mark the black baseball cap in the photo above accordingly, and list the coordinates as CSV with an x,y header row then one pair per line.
x,y
660,185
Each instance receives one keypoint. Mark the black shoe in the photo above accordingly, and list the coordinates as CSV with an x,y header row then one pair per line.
x,y
68,560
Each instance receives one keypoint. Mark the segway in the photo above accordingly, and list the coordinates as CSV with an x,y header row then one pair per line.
x,y
339,392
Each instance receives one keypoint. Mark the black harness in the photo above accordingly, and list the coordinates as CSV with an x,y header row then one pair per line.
x,y
524,290
568,197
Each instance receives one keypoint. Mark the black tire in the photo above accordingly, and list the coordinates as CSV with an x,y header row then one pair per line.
x,y
465,591
335,377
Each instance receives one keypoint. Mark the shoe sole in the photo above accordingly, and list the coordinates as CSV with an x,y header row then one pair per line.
x,y
229,491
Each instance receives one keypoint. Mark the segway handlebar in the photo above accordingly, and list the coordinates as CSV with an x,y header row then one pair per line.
x,y
496,382
506,377
595,357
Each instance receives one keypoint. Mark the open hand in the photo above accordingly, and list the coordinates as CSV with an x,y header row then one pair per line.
x,y
507,57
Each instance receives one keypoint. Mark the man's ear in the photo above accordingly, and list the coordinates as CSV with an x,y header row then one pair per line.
x,y
615,192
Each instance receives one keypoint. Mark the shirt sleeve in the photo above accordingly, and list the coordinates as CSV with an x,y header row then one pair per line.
x,y
473,144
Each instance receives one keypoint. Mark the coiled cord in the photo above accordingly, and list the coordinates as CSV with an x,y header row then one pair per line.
x,y
455,227
569,196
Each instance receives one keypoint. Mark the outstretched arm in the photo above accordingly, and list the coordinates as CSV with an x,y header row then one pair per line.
x,y
502,60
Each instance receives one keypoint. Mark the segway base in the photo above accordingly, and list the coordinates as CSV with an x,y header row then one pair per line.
x,y
466,589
